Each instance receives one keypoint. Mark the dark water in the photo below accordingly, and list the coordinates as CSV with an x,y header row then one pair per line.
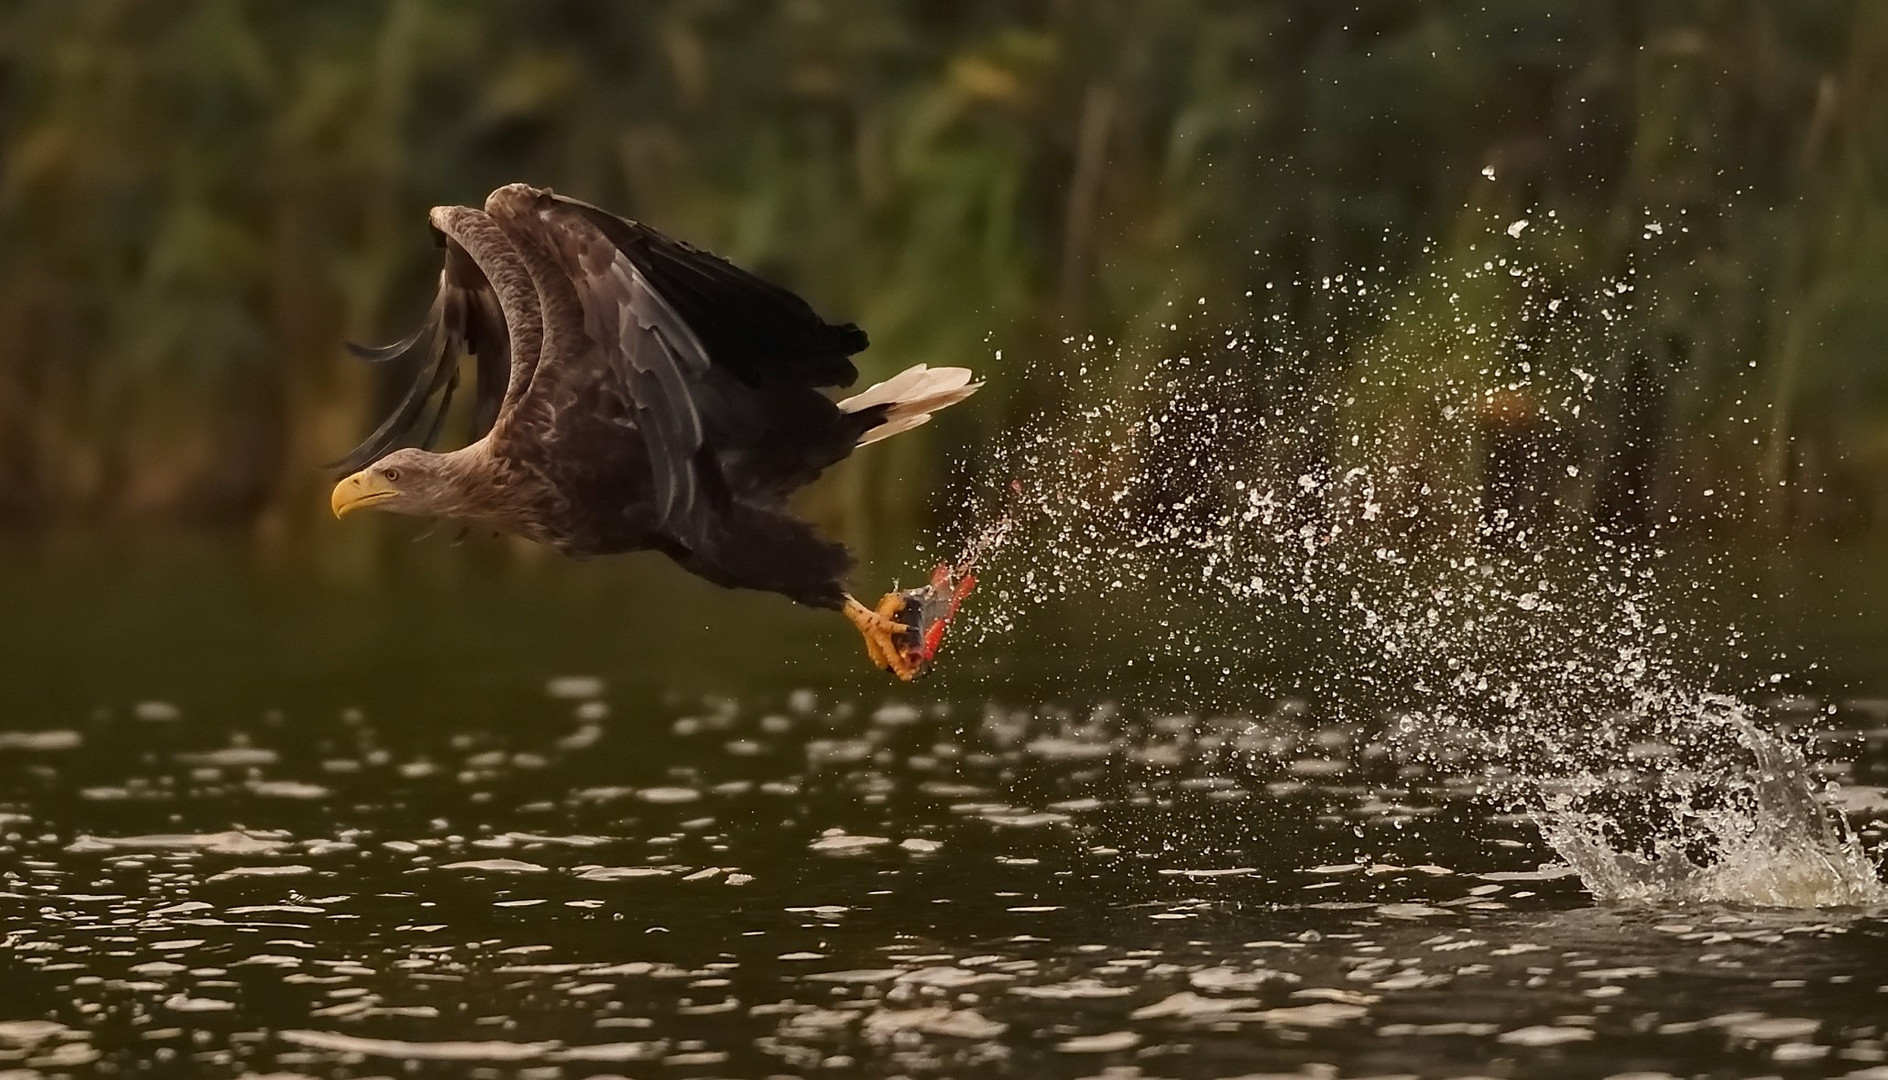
x,y
555,821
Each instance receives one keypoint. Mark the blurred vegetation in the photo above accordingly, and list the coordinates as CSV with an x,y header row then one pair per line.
x,y
201,199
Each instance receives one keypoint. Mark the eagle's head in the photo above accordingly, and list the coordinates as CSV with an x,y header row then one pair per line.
x,y
408,481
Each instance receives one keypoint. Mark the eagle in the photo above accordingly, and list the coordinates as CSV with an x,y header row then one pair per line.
x,y
632,392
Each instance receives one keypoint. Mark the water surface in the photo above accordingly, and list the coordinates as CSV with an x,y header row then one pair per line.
x,y
554,822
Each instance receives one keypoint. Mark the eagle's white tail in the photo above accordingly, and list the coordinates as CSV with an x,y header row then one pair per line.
x,y
913,394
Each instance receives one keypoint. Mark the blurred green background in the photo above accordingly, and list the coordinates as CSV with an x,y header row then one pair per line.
x,y
200,200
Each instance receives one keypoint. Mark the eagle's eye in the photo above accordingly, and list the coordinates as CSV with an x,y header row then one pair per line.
x,y
392,475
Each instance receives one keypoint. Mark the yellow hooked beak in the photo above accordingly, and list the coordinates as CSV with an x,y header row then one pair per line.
x,y
364,488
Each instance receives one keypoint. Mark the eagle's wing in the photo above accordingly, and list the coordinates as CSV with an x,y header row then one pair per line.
x,y
760,332
686,339
657,363
466,318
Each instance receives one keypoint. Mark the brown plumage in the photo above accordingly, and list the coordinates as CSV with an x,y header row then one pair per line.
x,y
631,393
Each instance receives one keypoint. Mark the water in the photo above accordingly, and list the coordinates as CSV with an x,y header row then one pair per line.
x,y
1422,541
1247,759
781,885
537,865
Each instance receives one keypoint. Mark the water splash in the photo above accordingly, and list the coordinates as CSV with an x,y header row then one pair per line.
x,y
1416,544
1682,834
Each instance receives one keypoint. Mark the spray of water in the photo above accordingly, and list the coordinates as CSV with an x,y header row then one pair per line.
x,y
1747,828
1408,539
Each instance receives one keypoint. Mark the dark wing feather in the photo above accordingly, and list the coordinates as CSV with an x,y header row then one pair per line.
x,y
659,363
680,332
663,358
465,318
431,438
754,328
380,354
490,343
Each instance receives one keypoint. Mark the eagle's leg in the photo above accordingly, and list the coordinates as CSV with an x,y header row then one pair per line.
x,y
881,632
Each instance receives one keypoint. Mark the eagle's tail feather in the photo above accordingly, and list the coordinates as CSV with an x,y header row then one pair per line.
x,y
910,397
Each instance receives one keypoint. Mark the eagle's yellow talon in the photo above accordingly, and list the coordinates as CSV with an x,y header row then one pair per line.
x,y
881,632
